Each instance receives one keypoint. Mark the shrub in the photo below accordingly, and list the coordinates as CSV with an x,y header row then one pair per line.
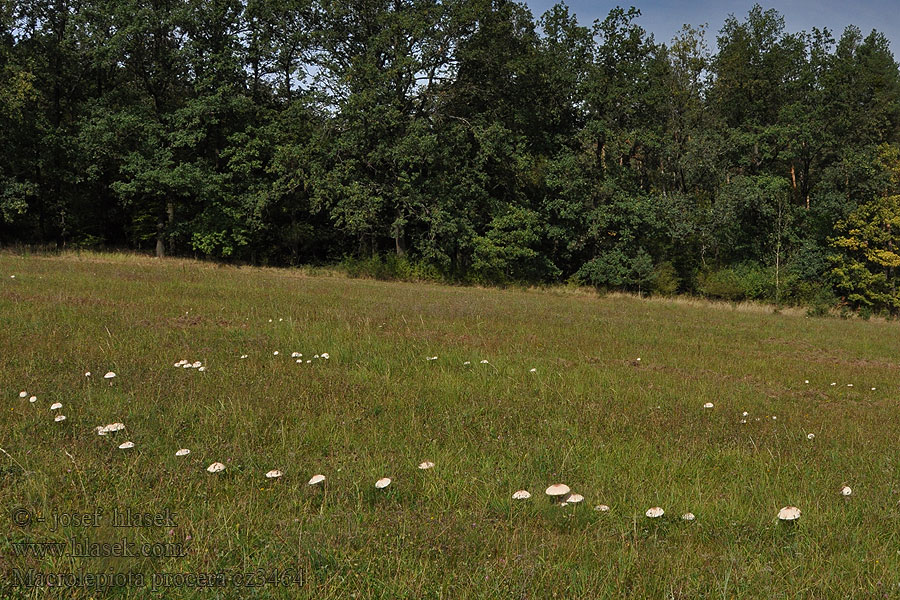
x,y
390,267
666,282
721,283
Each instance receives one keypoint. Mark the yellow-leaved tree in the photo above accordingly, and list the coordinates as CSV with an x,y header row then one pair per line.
x,y
866,270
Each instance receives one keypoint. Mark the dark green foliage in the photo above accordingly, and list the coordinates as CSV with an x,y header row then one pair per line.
x,y
464,140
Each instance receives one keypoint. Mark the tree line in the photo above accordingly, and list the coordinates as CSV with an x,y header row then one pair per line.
x,y
458,139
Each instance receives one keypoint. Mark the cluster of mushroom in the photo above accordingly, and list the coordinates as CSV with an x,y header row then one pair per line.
x,y
834,383
58,405
558,492
186,364
55,406
561,494
315,480
298,357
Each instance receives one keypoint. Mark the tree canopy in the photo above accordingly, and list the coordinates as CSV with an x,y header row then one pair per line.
x,y
461,139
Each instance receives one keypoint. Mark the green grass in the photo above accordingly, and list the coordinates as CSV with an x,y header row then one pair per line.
x,y
624,433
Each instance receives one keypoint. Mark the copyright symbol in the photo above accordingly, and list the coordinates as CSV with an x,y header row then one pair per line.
x,y
21,517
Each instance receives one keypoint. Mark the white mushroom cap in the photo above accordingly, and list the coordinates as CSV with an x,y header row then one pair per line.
x,y
810,436
789,513
296,355
383,483
316,479
532,370
33,399
87,373
60,418
55,405
688,516
708,405
197,364
601,508
655,512
182,452
484,362
326,356
201,369
111,428
558,490
274,474
126,445
23,394
426,465
109,375
522,495
574,498
215,467
275,353
243,356
187,366
846,490
468,362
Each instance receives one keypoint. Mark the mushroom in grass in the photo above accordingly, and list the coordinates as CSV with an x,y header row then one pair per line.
x,y
557,492
789,514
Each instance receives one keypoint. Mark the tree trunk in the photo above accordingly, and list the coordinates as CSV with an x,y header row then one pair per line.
x,y
160,239
399,238
170,214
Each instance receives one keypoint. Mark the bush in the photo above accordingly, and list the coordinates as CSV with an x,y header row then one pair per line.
x,y
723,284
390,267
665,281
752,281
758,282
616,269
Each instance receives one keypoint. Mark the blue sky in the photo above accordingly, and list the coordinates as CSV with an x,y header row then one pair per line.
x,y
664,19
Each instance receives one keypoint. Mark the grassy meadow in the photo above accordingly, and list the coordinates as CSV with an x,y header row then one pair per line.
x,y
627,433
